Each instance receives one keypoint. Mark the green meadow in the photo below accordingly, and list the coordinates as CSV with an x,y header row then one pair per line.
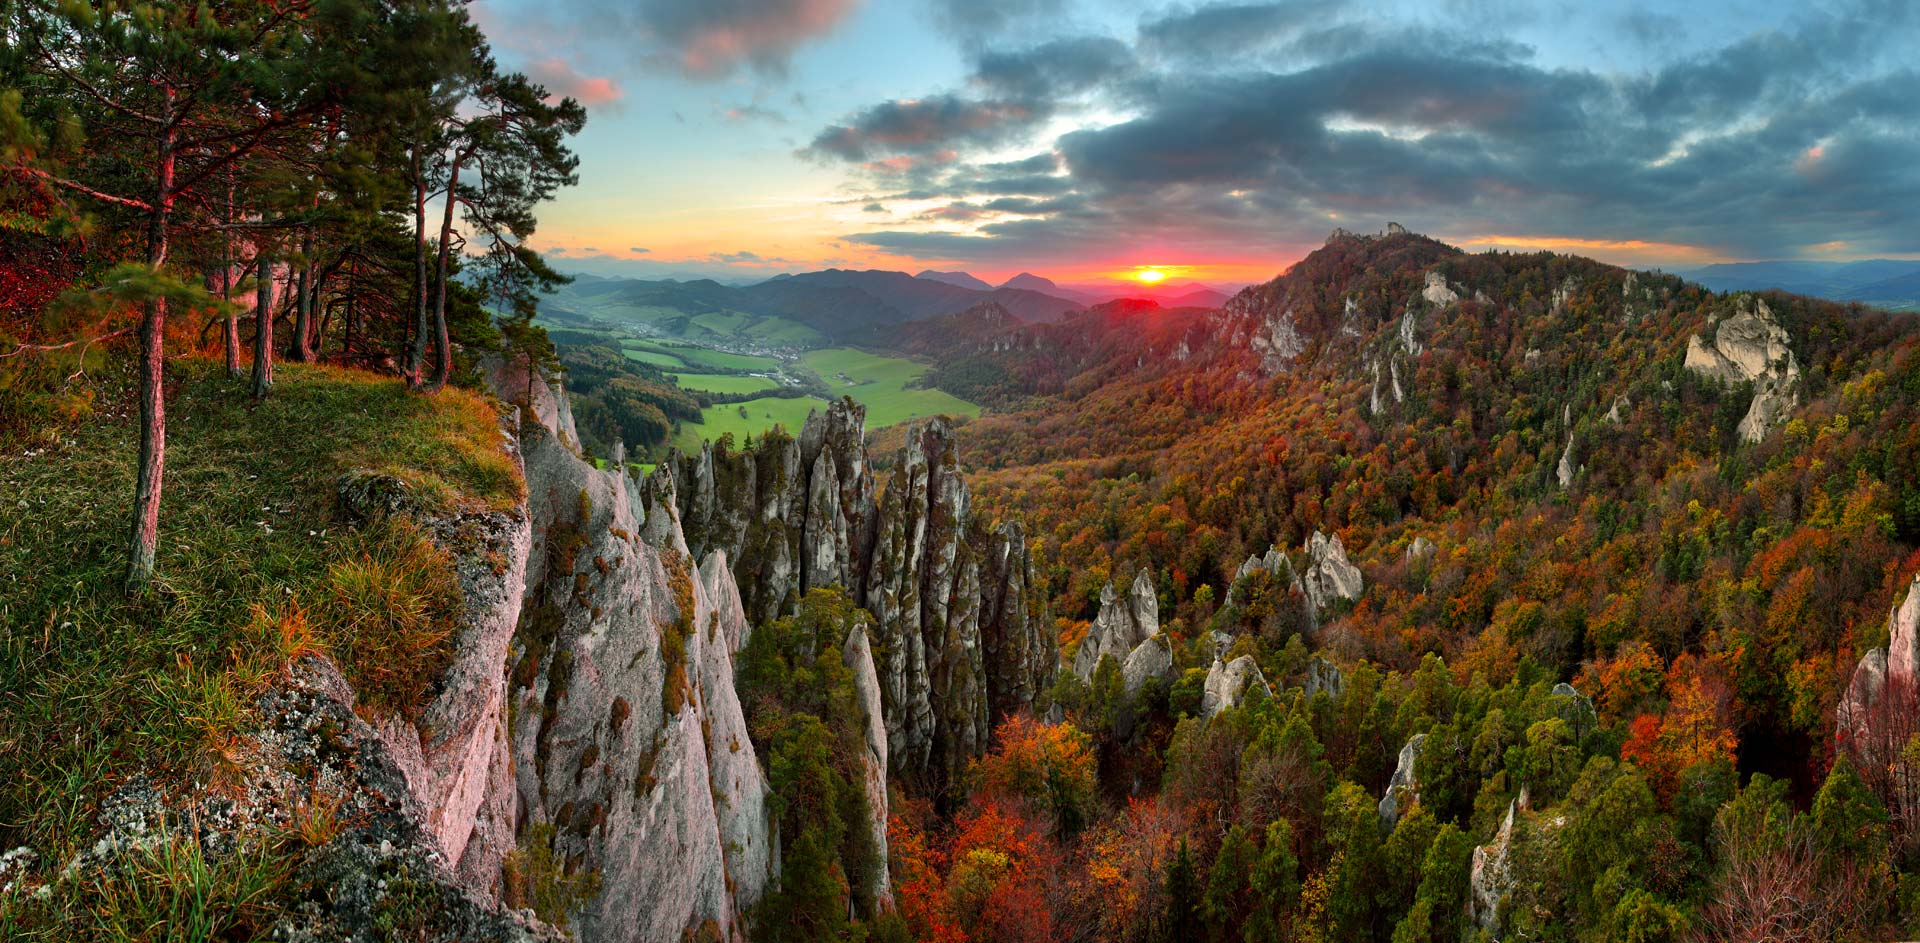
x,y
882,385
724,383
750,418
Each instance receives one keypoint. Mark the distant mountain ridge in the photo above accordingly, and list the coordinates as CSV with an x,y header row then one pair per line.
x,y
1887,282
838,303
962,279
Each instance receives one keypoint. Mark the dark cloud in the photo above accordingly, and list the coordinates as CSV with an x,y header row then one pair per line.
x,y
923,127
976,21
1762,147
636,250
1060,68
1226,30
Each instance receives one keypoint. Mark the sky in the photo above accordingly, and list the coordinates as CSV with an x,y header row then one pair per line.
x,y
1218,142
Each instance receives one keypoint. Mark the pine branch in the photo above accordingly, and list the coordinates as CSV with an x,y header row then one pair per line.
x,y
84,189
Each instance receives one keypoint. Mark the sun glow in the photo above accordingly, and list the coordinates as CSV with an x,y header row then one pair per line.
x,y
1149,276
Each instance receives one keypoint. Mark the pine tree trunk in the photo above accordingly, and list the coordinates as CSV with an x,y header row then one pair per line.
x,y
419,351
303,308
353,296
226,291
153,338
263,326
442,344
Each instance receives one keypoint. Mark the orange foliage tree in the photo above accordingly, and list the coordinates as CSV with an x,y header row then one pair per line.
x,y
1696,727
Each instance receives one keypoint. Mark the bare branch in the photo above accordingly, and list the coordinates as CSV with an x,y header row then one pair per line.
x,y
84,341
89,191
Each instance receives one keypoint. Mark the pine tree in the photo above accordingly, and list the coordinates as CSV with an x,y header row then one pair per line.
x,y
1228,898
1181,920
174,97
1275,884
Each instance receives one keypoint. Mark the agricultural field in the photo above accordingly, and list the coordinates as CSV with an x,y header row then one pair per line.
x,y
750,418
882,385
697,357
724,383
658,358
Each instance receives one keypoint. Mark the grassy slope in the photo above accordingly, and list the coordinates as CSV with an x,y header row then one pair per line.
x,y
252,566
881,384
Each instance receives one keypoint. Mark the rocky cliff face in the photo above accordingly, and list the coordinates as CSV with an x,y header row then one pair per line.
x,y
586,733
455,756
1124,624
1875,716
857,655
1751,346
1228,682
957,640
1404,789
631,756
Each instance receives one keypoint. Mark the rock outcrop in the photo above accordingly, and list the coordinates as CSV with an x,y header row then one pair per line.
x,y
1274,564
1149,660
1404,789
383,863
1490,877
857,655
1751,346
957,643
1421,551
1123,624
1021,655
1228,682
1437,293
1323,675
454,754
1329,575
632,758
1882,694
923,588
544,400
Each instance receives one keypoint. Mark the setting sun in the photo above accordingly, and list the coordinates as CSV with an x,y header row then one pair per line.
x,y
1150,276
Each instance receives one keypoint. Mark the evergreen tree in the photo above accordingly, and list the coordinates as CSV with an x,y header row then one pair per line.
x,y
1434,916
1275,884
1181,920
1228,897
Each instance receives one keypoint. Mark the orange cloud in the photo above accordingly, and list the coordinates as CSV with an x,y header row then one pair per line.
x,y
1635,251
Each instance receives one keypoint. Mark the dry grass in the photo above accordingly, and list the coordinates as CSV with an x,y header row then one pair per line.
x,y
387,614
254,566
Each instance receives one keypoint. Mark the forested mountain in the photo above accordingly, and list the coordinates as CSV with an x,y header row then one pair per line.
x,y
1696,508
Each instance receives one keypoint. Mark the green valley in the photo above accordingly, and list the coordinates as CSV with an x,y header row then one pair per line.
x,y
885,385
